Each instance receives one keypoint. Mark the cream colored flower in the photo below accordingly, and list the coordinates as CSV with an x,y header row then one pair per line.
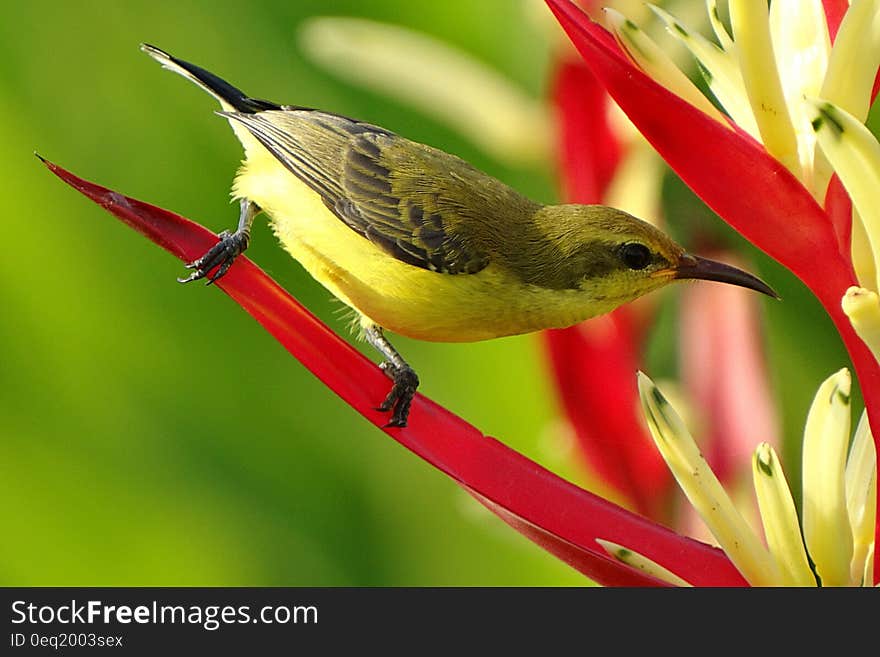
x,y
780,78
830,544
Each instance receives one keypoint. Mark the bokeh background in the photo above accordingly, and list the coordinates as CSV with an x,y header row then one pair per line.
x,y
154,434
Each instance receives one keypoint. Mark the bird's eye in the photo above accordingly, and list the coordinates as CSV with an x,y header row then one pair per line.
x,y
635,255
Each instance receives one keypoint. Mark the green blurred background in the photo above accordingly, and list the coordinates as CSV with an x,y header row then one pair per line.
x,y
154,434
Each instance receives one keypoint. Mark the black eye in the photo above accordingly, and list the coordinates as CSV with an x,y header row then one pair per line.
x,y
635,255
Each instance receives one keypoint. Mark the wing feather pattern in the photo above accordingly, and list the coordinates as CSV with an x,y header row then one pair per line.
x,y
396,197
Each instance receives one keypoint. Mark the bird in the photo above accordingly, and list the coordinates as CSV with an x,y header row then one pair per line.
x,y
419,242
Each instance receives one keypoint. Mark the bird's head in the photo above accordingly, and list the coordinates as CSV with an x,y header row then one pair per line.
x,y
615,257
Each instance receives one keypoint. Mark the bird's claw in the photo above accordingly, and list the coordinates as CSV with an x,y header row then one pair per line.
x,y
219,257
399,399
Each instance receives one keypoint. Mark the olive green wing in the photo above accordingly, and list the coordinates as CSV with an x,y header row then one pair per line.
x,y
397,194
400,199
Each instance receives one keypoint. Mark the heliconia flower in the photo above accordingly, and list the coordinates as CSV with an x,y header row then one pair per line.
x,y
831,544
765,176
560,517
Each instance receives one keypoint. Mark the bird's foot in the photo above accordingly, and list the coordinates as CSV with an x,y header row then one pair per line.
x,y
219,257
406,381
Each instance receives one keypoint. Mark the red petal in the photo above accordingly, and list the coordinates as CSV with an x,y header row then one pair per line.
x,y
838,207
602,569
834,12
594,365
589,152
565,514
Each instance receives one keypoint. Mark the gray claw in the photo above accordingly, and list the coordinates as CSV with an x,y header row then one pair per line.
x,y
220,257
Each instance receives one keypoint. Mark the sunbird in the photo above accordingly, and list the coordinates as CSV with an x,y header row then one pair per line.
x,y
419,242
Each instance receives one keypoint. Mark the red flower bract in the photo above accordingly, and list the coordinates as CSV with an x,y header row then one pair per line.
x,y
736,177
739,180
557,515
589,152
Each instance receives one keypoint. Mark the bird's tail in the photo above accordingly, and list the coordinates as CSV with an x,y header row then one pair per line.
x,y
230,97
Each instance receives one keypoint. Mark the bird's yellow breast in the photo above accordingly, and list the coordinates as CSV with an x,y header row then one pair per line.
x,y
402,298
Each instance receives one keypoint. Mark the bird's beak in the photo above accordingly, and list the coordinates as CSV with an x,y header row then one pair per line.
x,y
695,267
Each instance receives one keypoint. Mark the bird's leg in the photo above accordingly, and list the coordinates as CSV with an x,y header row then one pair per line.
x,y
223,253
405,379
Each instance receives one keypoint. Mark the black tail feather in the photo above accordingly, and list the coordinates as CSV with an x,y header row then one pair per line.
x,y
213,84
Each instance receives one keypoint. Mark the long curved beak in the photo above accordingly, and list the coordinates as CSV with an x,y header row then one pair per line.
x,y
691,266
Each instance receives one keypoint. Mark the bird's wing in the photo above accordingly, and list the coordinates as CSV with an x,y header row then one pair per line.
x,y
390,194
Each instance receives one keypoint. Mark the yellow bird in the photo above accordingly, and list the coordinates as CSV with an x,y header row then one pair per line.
x,y
419,242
